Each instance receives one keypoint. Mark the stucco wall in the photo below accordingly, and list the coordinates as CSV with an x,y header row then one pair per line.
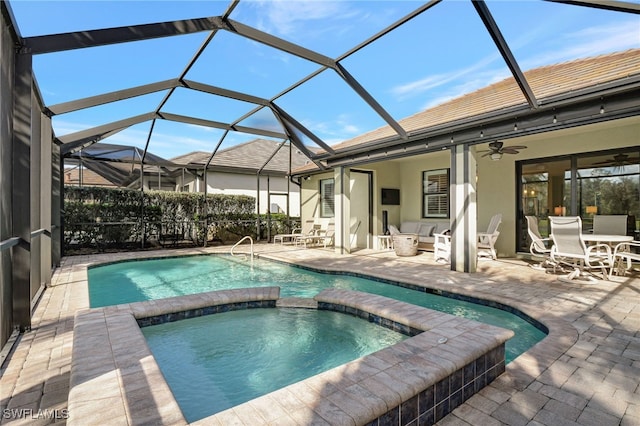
x,y
496,184
310,195
239,184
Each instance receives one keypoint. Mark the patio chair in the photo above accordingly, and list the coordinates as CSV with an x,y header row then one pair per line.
x,y
614,224
540,247
308,229
487,240
322,236
624,254
442,247
570,249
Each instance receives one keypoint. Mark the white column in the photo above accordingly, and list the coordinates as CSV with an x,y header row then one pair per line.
x,y
463,209
342,205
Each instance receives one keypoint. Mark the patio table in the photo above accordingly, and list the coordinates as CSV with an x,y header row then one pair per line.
x,y
610,239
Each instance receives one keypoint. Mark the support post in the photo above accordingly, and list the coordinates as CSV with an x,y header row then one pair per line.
x,y
21,193
342,205
463,209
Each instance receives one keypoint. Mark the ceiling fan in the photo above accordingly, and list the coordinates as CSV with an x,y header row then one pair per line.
x,y
497,148
618,160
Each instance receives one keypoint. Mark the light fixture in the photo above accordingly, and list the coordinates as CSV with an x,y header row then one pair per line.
x,y
555,120
515,127
496,156
602,109
481,134
307,177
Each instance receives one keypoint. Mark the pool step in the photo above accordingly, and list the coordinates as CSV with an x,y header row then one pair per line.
x,y
297,302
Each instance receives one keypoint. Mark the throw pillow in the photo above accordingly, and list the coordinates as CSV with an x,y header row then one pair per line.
x,y
426,230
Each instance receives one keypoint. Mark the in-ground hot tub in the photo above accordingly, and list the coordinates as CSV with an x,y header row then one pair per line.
x,y
448,359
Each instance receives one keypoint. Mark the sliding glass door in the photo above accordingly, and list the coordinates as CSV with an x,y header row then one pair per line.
x,y
606,182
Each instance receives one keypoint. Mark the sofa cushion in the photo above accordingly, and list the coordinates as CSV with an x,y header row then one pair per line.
x,y
409,227
441,227
426,229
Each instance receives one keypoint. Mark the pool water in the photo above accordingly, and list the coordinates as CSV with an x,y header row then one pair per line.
x,y
127,282
230,358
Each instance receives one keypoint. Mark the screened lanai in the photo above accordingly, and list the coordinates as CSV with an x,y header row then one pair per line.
x,y
170,78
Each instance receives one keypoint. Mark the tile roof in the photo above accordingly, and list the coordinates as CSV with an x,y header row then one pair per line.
x,y
545,82
250,156
89,178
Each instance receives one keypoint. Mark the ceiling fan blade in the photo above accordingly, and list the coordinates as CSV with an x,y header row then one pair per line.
x,y
517,147
509,150
488,153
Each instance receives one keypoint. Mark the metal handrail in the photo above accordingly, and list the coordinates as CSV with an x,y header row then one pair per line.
x,y
8,243
247,237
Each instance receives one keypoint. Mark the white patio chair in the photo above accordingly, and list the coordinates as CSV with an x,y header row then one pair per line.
x,y
540,247
442,247
321,236
624,254
613,224
569,249
487,240
307,229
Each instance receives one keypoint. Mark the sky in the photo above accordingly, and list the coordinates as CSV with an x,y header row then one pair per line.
x,y
439,55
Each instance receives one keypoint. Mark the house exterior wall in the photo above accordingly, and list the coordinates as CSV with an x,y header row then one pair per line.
x,y
496,182
245,184
310,197
497,179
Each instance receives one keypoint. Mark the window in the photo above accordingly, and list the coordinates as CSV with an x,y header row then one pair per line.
x,y
327,198
435,193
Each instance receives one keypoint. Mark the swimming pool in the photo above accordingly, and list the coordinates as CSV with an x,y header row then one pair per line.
x,y
127,282
256,351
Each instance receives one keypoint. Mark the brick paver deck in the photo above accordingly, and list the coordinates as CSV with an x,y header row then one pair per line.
x,y
584,373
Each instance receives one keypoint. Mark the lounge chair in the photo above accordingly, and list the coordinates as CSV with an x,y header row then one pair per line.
x,y
570,249
540,247
487,240
308,229
321,236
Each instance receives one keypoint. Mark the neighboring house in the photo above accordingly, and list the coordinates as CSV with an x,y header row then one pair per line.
x,y
119,166
258,166
74,177
579,159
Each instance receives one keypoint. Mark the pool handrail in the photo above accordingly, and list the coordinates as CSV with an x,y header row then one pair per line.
x,y
238,243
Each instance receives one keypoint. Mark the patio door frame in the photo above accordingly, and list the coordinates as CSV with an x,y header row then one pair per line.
x,y
521,227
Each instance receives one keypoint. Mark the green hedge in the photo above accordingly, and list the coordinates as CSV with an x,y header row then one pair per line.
x,y
100,218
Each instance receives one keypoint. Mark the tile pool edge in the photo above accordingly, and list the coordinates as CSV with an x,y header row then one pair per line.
x,y
114,375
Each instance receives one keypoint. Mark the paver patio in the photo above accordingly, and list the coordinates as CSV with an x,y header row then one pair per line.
x,y
584,373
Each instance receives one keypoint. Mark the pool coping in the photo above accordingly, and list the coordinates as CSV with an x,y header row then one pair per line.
x,y
114,374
